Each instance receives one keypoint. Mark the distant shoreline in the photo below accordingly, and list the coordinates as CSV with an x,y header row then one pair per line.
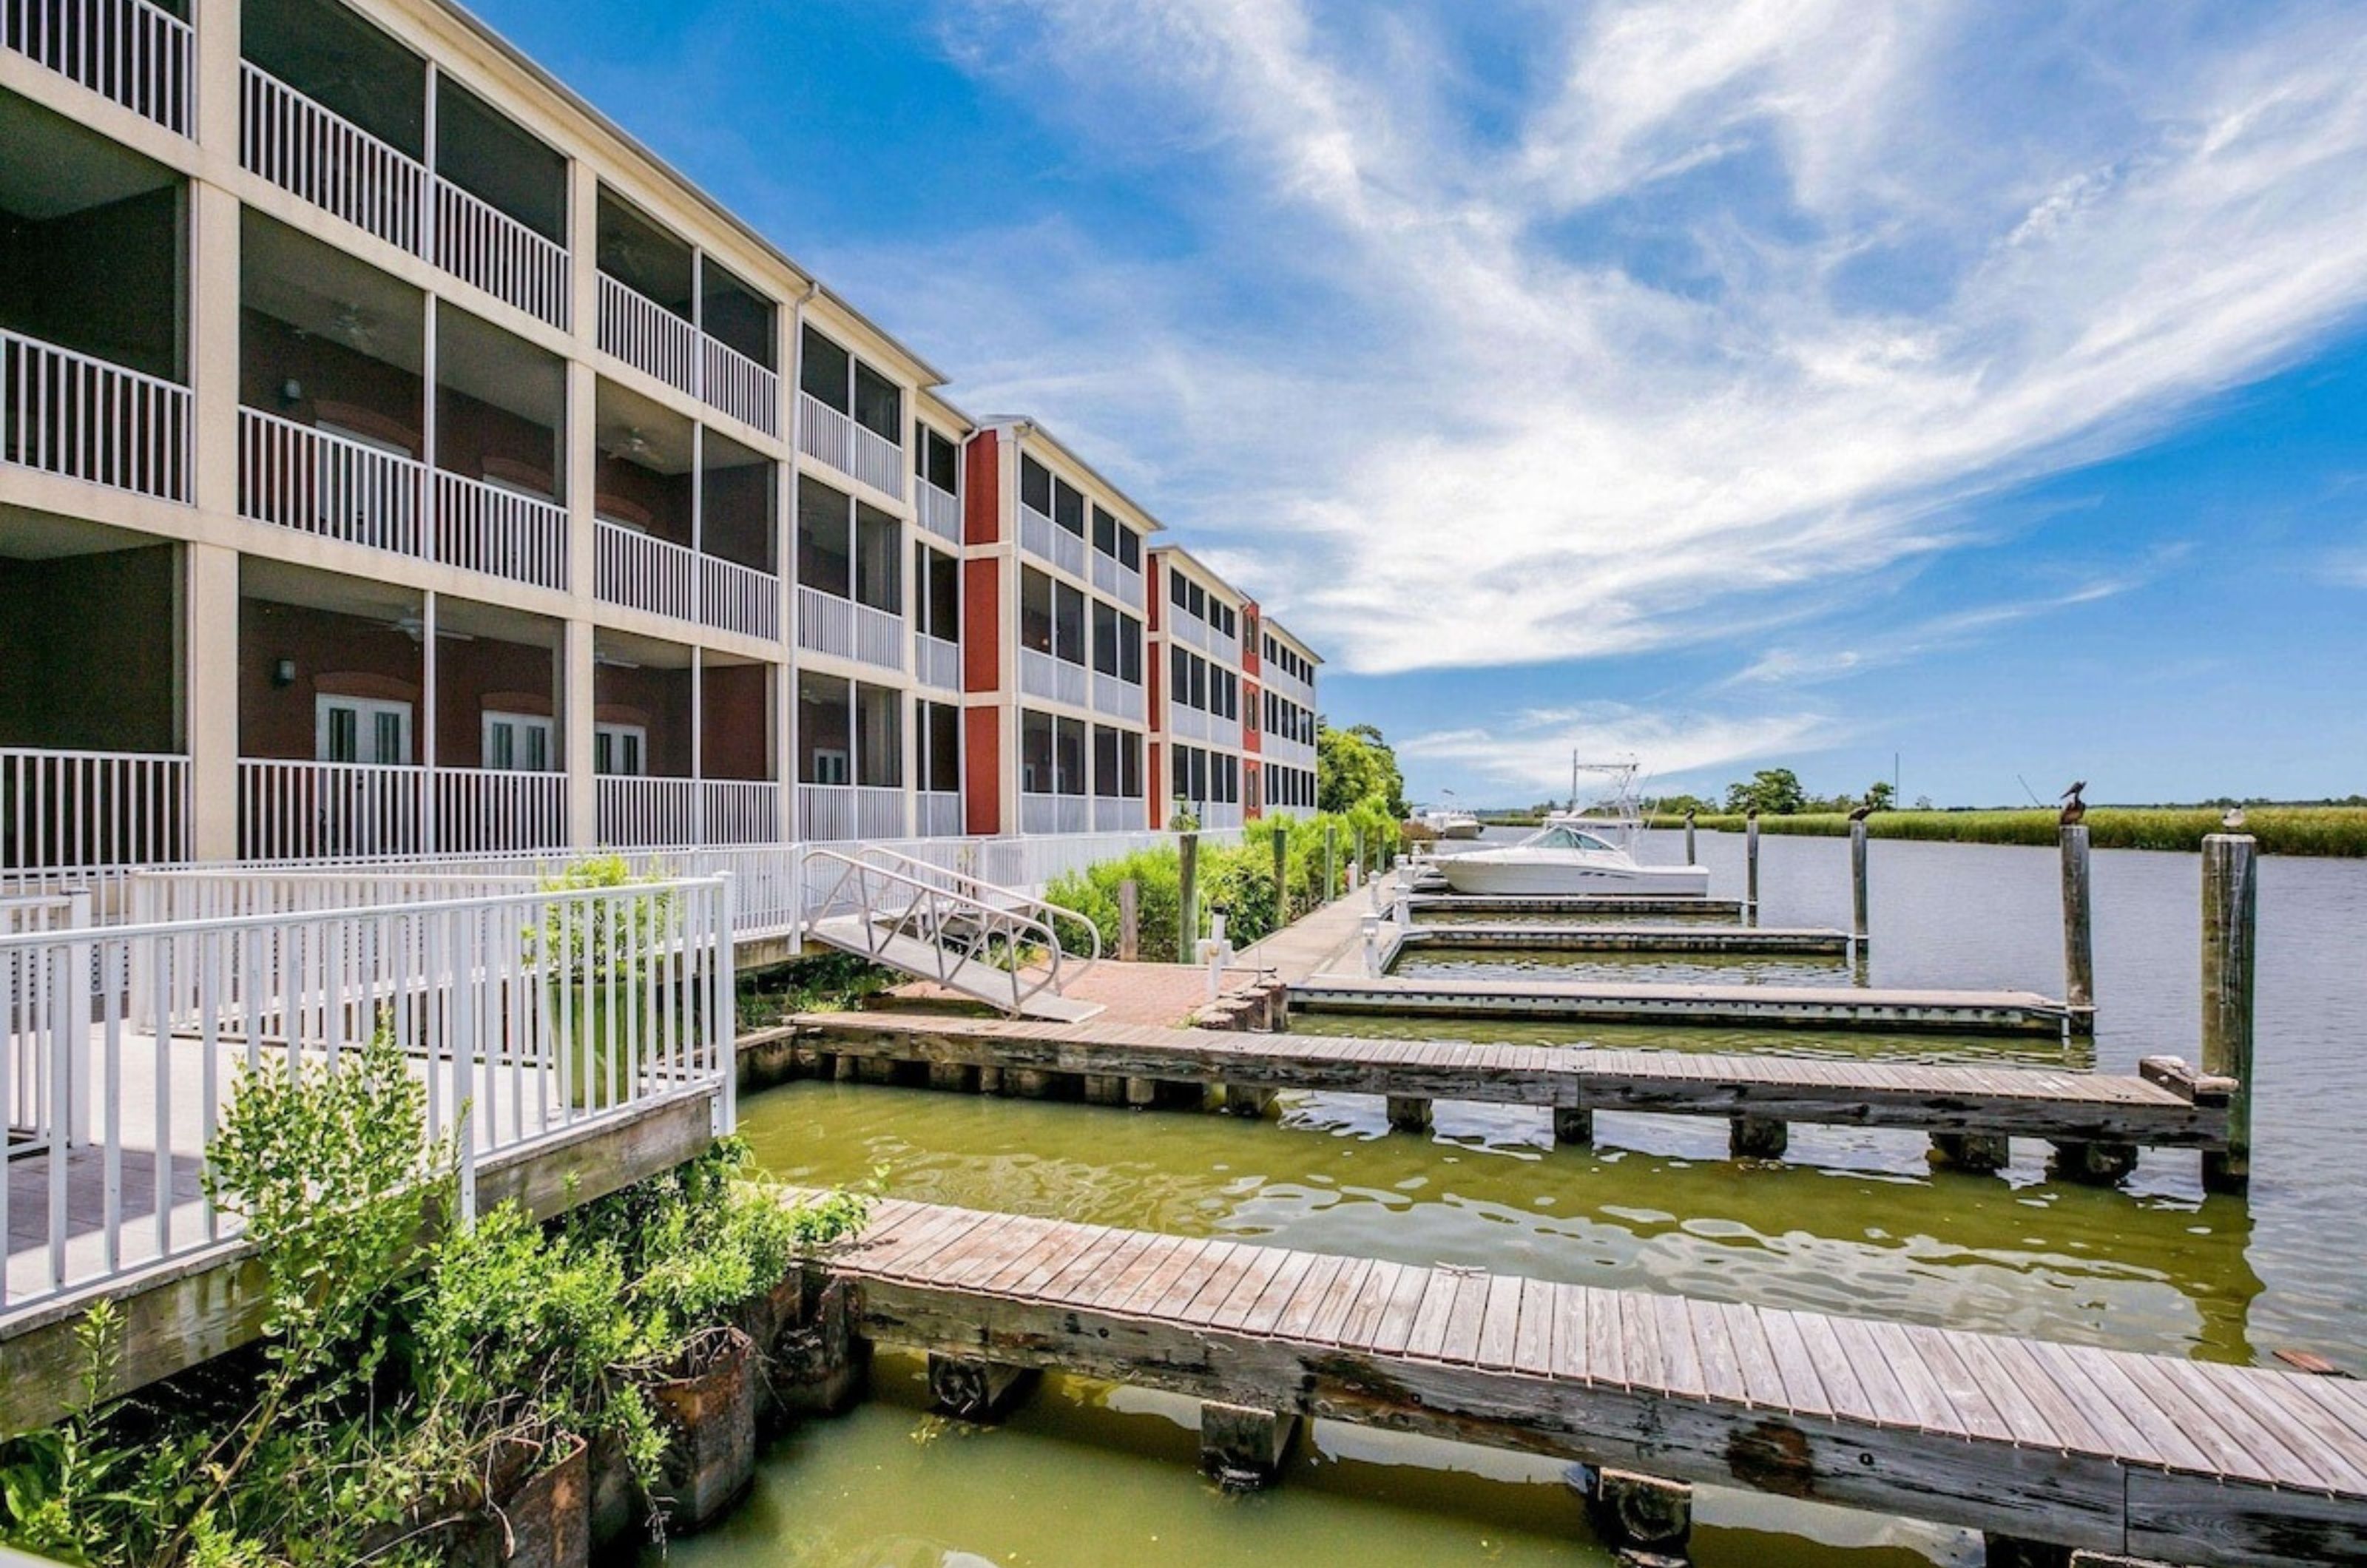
x,y
2325,831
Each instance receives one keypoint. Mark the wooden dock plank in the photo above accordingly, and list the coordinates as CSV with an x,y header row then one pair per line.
x,y
2009,1102
1537,936
1840,1008
2096,1448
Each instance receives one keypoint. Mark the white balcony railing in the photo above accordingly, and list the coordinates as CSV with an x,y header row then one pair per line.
x,y
827,812
1186,724
485,811
1116,814
1225,732
511,1016
1224,650
648,336
1188,629
828,624
482,527
293,810
316,482
736,598
311,151
82,418
1119,699
481,244
848,446
1219,813
68,818
646,812
739,387
138,54
1119,580
1042,675
1047,540
940,663
940,813
1055,814
940,512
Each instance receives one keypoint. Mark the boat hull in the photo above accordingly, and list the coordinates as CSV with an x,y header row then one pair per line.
x,y
1461,830
1503,877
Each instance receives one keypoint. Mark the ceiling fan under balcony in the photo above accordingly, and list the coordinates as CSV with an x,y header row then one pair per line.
x,y
413,624
631,445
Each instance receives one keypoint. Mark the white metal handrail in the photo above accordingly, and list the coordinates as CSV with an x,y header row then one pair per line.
x,y
642,571
479,243
482,527
825,622
1116,697
1119,580
736,598
739,387
67,814
1048,541
523,1014
940,512
969,926
850,446
939,814
312,152
318,482
939,664
1187,628
878,637
1043,675
139,55
648,336
82,418
688,812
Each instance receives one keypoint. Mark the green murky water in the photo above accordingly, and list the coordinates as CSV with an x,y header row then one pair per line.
x,y
1853,1220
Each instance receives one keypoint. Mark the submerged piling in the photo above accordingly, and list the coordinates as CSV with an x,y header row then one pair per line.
x,y
2078,944
2231,895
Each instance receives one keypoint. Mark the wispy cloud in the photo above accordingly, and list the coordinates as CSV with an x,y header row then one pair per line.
x,y
1725,306
1532,753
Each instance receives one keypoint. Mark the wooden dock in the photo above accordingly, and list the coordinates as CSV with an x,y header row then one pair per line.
x,y
1763,1007
2100,1120
1540,936
1572,904
2148,1456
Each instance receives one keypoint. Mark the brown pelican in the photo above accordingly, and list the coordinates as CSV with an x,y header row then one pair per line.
x,y
2074,810
1863,809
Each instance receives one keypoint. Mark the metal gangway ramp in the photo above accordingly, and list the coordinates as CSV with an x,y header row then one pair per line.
x,y
996,945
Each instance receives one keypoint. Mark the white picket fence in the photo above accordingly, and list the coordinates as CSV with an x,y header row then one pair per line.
x,y
525,1013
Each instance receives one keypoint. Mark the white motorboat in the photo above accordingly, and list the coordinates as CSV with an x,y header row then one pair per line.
x,y
1449,823
1561,857
1577,852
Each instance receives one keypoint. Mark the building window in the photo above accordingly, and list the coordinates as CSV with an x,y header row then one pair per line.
x,y
361,730
517,742
1034,486
619,749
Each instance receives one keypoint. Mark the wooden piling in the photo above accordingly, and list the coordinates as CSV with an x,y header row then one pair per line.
x,y
1187,900
1331,860
1408,1113
1750,867
1636,1513
2078,944
1758,1137
976,1390
1972,1151
1859,926
1357,850
1242,1448
1573,1125
1129,920
1281,842
1691,859
2231,896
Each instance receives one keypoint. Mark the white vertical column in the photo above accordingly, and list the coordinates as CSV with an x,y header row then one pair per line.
x,y
209,603
430,830
210,722
698,745
580,459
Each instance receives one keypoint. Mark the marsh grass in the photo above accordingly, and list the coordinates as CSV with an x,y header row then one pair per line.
x,y
2337,830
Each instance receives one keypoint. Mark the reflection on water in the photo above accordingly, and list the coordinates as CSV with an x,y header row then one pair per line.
x,y
1853,1220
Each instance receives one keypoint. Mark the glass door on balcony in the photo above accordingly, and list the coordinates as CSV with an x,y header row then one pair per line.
x,y
362,730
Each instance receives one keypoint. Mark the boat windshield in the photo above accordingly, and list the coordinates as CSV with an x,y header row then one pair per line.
x,y
1567,838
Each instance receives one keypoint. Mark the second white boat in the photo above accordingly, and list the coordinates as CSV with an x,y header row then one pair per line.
x,y
1562,859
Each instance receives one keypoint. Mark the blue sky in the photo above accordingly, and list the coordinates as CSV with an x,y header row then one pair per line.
x,y
1792,382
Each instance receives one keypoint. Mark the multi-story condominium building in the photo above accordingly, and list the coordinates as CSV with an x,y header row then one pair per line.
x,y
1203,742
1285,674
1055,718
396,458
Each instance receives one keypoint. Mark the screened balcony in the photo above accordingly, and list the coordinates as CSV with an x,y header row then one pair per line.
x,y
94,334
1117,559
672,312
1052,640
936,472
141,55
684,517
682,745
936,608
338,113
93,764
1054,790
373,721
1051,518
850,415
937,769
850,578
850,760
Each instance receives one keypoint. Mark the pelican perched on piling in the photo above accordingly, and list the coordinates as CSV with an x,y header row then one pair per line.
x,y
2074,810
1861,810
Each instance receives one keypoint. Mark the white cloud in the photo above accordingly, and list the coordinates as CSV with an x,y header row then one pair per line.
x,y
1531,753
1468,419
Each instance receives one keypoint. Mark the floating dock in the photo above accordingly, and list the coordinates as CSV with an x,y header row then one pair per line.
x,y
1764,1007
2099,1119
1538,936
2152,1457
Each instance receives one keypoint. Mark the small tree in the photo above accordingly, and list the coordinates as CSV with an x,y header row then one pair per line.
x,y
1881,796
1774,792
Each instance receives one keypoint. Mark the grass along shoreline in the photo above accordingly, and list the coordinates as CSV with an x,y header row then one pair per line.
x,y
2330,830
